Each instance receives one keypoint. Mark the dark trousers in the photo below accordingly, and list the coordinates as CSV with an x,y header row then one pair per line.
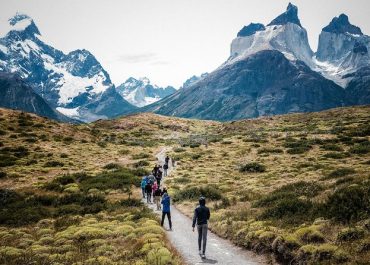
x,y
202,236
148,197
169,218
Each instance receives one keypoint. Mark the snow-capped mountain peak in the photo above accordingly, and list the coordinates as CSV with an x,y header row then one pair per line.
x,y
68,82
140,92
342,50
289,16
284,34
341,24
21,23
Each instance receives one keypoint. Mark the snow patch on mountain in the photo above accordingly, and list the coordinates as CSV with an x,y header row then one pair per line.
x,y
140,92
284,34
74,82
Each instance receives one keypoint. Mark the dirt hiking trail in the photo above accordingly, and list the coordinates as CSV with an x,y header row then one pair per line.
x,y
219,251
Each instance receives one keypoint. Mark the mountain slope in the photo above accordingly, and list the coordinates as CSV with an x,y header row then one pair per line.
x,y
269,71
343,50
140,92
68,82
252,88
16,94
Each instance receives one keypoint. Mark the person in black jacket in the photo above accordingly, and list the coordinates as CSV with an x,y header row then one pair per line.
x,y
201,217
148,191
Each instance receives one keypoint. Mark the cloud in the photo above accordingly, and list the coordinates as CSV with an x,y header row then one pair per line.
x,y
137,58
158,62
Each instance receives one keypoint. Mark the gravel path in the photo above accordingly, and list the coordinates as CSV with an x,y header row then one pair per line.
x,y
219,251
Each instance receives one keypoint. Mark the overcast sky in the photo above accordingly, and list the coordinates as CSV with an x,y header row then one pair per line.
x,y
168,40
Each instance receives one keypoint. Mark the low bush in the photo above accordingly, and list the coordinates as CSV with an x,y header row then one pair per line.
x,y
141,163
335,155
140,156
179,150
131,203
351,233
360,148
331,147
112,166
192,193
53,163
298,150
340,172
291,208
350,203
63,155
2,174
270,150
7,160
253,167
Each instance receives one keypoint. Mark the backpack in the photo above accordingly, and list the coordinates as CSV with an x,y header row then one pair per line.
x,y
165,166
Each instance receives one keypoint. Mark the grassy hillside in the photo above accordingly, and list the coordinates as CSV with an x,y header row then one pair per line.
x,y
295,185
68,194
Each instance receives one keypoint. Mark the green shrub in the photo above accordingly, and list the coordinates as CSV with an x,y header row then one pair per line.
x,y
331,147
349,203
118,179
291,208
270,150
335,155
140,156
253,167
192,193
131,203
141,163
196,156
361,148
340,172
184,179
112,166
2,174
178,150
298,150
63,155
53,163
7,160
350,234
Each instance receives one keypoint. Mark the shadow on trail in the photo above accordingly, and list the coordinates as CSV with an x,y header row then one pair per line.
x,y
208,261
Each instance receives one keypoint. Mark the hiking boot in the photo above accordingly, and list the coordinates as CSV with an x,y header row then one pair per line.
x,y
200,253
203,256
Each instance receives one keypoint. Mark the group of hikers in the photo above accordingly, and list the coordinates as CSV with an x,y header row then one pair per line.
x,y
152,191
151,188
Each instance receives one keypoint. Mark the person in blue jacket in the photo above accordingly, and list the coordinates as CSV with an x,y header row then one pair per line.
x,y
143,184
166,209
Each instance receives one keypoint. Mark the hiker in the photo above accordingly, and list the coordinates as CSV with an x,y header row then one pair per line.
x,y
166,160
154,187
148,191
157,198
151,179
155,170
165,168
166,209
159,177
173,162
143,184
164,191
201,217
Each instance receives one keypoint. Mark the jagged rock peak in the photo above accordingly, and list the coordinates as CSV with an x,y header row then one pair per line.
x,y
250,29
23,22
289,16
341,24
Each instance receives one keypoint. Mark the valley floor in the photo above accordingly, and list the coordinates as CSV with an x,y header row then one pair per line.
x,y
294,186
